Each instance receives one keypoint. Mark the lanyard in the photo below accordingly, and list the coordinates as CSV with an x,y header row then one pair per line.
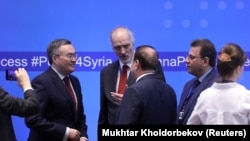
x,y
190,93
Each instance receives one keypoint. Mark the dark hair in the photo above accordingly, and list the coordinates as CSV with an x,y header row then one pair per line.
x,y
54,47
230,57
148,60
207,49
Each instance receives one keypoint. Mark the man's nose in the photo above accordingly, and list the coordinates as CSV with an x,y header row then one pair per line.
x,y
123,50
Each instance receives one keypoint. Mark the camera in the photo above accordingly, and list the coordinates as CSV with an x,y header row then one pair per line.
x,y
10,75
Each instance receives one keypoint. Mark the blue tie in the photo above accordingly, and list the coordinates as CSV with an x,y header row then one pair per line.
x,y
194,86
191,92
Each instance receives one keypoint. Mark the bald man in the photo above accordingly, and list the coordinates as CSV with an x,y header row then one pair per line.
x,y
148,101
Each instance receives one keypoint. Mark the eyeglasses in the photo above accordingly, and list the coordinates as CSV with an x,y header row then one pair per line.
x,y
70,56
191,57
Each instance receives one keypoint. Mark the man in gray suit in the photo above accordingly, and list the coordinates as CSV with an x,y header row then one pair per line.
x,y
200,62
122,41
149,101
10,105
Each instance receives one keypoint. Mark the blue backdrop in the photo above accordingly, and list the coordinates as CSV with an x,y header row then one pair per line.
x,y
28,26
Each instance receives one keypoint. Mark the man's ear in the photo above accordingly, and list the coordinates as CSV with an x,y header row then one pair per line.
x,y
137,64
54,58
206,61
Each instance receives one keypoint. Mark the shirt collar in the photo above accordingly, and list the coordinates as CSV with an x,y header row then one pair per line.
x,y
143,76
59,74
128,64
204,75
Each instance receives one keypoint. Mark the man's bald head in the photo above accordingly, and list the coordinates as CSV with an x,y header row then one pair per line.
x,y
147,56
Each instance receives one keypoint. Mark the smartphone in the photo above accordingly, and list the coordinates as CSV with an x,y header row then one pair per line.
x,y
10,75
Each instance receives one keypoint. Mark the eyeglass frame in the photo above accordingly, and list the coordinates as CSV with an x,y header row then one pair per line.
x,y
191,57
69,56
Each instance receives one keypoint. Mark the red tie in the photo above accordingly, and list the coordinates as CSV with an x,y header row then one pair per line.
x,y
67,83
123,80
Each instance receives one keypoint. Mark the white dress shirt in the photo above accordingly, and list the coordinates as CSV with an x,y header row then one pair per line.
x,y
222,103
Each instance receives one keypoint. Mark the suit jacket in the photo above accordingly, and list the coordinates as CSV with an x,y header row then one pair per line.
x,y
10,105
108,80
148,102
206,82
56,108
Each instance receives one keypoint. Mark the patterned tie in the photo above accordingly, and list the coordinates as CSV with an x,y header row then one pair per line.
x,y
123,80
71,92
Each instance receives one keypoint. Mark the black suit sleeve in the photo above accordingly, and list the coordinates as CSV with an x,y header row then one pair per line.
x,y
17,106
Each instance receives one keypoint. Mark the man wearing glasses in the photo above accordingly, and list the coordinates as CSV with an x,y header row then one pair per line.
x,y
61,115
200,62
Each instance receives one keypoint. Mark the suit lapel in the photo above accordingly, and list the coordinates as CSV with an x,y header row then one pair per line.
x,y
62,88
184,94
207,82
110,79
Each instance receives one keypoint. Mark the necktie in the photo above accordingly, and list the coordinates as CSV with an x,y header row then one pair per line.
x,y
67,83
191,91
195,84
123,80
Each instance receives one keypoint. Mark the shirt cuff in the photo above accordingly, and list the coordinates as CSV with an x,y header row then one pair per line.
x,y
65,138
29,88
85,138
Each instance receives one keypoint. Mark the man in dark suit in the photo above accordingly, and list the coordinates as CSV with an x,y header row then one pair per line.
x,y
149,101
10,105
61,115
200,62
122,41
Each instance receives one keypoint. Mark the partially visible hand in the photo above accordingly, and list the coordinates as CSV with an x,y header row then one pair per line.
x,y
22,78
116,97
74,134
